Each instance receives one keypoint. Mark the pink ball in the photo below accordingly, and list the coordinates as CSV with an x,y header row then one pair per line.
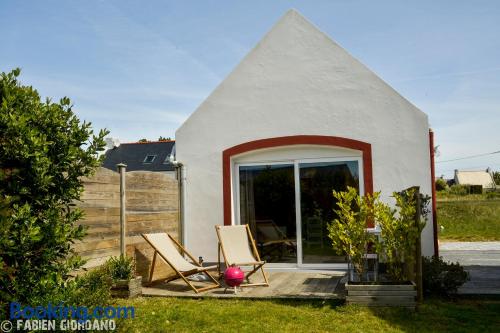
x,y
234,276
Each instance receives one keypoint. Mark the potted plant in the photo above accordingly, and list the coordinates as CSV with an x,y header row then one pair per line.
x,y
396,247
400,234
348,232
125,283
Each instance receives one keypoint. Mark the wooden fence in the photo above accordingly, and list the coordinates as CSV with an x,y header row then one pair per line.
x,y
152,206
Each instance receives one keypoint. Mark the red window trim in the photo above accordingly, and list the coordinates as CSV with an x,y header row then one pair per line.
x,y
433,193
333,141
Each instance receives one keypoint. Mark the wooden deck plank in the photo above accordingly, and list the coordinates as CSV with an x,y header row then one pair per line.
x,y
275,281
321,285
293,285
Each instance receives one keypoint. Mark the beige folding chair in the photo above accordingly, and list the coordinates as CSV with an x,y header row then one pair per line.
x,y
168,249
238,249
271,238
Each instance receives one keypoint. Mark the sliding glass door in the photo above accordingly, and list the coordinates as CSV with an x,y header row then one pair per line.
x,y
267,205
317,205
288,206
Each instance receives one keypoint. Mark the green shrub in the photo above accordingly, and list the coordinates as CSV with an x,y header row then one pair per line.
x,y
496,177
400,233
92,289
458,189
441,184
442,278
89,289
399,230
121,268
45,150
493,195
466,189
348,231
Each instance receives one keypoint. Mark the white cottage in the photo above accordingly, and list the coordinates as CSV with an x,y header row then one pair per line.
x,y
298,117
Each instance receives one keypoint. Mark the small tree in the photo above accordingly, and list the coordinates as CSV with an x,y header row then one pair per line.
x,y
399,233
44,152
143,140
441,184
161,138
496,177
348,231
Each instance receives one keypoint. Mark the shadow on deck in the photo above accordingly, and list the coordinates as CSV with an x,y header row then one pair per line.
x,y
282,285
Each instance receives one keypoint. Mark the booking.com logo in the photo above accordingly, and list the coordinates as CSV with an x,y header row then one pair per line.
x,y
64,317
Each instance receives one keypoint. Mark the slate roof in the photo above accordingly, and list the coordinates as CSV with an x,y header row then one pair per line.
x,y
134,154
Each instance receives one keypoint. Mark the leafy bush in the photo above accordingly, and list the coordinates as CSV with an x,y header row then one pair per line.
x,y
121,268
493,195
399,234
496,177
442,278
441,184
399,229
44,152
348,231
91,289
466,189
458,189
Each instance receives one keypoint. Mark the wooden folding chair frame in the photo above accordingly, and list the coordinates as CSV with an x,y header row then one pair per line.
x,y
179,274
257,265
283,241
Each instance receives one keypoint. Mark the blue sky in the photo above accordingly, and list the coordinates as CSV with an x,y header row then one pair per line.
x,y
139,68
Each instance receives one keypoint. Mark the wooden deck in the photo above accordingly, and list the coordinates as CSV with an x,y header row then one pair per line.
x,y
293,285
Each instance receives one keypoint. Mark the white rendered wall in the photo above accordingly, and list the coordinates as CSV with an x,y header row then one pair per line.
x,y
297,81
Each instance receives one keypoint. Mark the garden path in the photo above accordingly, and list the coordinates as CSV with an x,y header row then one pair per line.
x,y
481,260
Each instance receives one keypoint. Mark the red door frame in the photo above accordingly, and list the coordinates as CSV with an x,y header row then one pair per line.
x,y
333,141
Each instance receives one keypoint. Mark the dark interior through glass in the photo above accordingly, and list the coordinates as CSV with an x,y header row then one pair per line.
x,y
267,205
317,204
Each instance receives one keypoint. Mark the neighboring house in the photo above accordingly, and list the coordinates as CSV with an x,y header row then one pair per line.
x,y
483,178
147,156
297,118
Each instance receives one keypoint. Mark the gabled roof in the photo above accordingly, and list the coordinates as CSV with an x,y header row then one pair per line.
x,y
292,63
134,155
474,178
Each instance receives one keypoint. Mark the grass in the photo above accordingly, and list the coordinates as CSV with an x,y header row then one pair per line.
x,y
211,315
468,218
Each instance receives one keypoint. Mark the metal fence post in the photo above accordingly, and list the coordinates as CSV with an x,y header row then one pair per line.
x,y
122,169
418,247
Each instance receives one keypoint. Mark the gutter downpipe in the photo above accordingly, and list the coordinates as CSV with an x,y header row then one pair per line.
x,y
179,169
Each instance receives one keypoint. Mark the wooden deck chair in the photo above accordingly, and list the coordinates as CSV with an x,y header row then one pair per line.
x,y
172,252
238,249
271,239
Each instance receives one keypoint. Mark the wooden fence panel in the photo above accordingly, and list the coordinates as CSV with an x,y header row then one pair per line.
x,y
152,206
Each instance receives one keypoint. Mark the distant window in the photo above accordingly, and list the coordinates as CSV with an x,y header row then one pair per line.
x,y
149,159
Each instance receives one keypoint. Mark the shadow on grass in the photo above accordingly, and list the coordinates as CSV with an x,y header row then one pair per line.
x,y
435,314
314,303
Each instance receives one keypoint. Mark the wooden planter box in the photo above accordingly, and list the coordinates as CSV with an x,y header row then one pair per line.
x,y
127,288
371,294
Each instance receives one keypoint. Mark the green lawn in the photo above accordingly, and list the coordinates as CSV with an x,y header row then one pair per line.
x,y
211,315
468,218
